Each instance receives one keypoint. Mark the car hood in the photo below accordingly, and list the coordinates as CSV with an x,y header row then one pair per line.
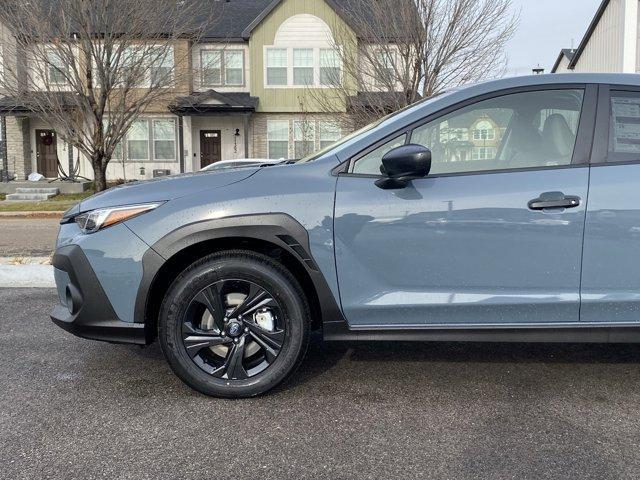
x,y
163,188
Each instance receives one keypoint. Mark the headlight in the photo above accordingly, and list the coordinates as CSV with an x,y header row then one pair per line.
x,y
90,222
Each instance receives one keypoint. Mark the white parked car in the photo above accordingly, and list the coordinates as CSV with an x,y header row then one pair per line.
x,y
241,162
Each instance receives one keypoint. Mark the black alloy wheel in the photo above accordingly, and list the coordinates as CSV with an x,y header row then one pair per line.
x,y
234,324
233,340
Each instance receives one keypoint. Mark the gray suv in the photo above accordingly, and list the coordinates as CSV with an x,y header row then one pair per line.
x,y
505,211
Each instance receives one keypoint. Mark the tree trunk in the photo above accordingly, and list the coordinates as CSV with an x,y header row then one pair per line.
x,y
99,173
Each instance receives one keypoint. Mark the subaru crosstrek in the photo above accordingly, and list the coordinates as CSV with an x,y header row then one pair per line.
x,y
504,211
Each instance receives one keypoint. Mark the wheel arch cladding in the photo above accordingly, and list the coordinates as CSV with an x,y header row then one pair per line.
x,y
278,236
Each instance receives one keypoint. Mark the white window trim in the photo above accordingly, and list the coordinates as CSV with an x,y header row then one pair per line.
x,y
65,82
316,67
288,122
223,68
150,142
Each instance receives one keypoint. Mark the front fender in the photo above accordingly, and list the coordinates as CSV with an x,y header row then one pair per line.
x,y
279,229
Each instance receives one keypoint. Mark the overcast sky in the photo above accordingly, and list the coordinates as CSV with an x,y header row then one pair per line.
x,y
546,26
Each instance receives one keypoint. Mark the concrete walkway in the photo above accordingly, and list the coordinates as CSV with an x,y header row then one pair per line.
x,y
26,276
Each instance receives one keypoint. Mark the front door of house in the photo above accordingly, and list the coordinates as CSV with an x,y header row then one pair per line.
x,y
210,147
47,153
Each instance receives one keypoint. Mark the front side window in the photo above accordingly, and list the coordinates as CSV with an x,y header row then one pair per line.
x,y
138,140
371,163
278,138
164,139
624,135
521,130
304,138
277,66
303,66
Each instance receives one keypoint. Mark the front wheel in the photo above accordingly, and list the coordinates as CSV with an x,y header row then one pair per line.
x,y
234,324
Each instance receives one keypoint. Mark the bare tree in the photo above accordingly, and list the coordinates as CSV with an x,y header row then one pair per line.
x,y
89,68
403,50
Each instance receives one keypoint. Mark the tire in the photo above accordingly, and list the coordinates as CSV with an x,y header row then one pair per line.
x,y
213,278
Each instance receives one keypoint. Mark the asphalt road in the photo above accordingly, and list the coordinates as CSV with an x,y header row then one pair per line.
x,y
28,237
71,408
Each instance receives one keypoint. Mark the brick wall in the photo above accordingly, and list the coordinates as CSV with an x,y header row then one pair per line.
x,y
18,147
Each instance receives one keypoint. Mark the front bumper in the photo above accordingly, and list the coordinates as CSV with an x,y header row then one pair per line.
x,y
84,308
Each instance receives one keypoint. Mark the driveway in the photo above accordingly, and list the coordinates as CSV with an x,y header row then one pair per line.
x,y
28,237
71,408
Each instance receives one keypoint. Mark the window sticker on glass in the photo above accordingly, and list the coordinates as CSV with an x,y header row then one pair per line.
x,y
626,124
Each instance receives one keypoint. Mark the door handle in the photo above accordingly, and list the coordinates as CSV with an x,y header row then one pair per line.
x,y
554,200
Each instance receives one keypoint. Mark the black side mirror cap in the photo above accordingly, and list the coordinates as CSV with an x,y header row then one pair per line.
x,y
403,164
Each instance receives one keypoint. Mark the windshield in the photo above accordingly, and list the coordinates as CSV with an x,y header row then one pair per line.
x,y
368,128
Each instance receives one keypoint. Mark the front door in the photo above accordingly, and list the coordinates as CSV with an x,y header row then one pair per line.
x,y
611,265
210,147
466,245
47,153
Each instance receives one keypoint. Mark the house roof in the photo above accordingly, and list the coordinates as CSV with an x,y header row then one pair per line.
x,y
565,52
353,12
236,16
35,102
211,101
587,36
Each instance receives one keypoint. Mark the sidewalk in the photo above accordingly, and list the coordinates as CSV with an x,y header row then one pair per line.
x,y
34,272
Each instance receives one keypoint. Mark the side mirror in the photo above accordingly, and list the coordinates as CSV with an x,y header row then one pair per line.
x,y
403,164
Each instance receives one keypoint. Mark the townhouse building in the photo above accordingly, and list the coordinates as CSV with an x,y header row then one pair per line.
x,y
248,96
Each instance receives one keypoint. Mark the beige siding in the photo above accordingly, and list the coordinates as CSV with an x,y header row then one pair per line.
x,y
603,53
563,66
288,99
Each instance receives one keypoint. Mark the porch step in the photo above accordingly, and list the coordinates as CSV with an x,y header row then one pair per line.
x,y
53,190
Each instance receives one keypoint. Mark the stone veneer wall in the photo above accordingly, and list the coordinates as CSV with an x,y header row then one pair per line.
x,y
18,147
259,130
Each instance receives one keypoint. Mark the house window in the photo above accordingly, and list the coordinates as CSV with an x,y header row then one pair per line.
x,y
164,139
222,67
329,67
278,138
304,138
330,132
138,140
277,66
233,67
303,66
211,67
57,71
296,67
161,70
484,131
483,153
386,72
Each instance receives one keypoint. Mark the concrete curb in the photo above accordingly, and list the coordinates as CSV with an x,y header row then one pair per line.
x,y
30,215
26,276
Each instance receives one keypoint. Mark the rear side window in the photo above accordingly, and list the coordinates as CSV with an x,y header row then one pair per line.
x,y
624,134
